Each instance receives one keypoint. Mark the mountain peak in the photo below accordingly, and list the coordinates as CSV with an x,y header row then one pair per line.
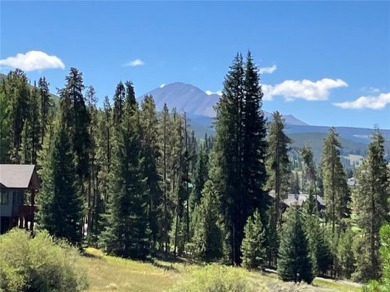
x,y
195,102
185,98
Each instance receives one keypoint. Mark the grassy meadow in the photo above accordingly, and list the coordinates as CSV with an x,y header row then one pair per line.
x,y
108,273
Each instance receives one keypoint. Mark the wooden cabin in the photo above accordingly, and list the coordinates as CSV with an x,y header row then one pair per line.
x,y
18,186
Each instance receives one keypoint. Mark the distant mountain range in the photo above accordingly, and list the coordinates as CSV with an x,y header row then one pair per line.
x,y
199,106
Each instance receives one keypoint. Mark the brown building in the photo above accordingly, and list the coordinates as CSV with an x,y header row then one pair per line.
x,y
18,186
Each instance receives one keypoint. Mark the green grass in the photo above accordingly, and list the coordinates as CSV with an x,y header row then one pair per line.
x,y
108,273
337,285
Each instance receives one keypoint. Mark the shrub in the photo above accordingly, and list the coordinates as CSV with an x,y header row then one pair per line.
x,y
38,263
215,278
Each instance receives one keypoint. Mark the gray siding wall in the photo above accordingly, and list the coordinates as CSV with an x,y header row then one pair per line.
x,y
14,202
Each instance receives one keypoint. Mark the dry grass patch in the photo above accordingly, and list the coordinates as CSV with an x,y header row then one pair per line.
x,y
108,273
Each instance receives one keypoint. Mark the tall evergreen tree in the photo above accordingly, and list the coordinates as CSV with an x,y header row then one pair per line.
x,y
236,167
336,193
254,144
165,129
294,263
103,160
18,92
75,111
92,201
60,201
278,176
278,161
150,152
226,162
370,205
127,232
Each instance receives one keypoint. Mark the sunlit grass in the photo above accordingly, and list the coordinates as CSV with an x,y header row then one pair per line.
x,y
107,273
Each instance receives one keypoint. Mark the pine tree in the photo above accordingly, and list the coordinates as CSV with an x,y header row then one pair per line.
x,y
252,246
294,263
310,179
92,189
76,114
35,125
18,92
127,232
60,201
226,163
278,161
200,176
370,205
336,193
383,285
237,164
319,248
165,129
208,236
345,257
5,125
26,144
150,150
119,101
45,106
103,161
254,145
278,176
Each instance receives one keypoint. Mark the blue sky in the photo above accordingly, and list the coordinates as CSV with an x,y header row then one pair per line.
x,y
327,63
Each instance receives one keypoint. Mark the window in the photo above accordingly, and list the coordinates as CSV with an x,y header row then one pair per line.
x,y
4,197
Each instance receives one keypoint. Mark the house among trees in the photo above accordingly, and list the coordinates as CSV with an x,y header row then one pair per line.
x,y
18,186
298,199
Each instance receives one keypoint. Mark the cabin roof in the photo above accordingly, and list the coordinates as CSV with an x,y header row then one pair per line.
x,y
19,176
297,199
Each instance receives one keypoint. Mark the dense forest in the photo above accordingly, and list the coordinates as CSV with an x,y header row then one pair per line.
x,y
134,182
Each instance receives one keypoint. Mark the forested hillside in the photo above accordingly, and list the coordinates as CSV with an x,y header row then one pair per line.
x,y
136,182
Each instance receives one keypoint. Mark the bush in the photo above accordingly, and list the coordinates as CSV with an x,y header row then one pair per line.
x,y
38,264
215,278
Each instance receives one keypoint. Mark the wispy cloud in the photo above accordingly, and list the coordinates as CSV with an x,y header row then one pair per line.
x,y
209,92
372,102
370,90
134,63
162,85
32,61
268,70
303,89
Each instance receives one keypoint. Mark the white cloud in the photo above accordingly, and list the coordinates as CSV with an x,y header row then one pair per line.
x,y
162,85
209,92
134,63
32,61
371,102
267,91
268,70
303,89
